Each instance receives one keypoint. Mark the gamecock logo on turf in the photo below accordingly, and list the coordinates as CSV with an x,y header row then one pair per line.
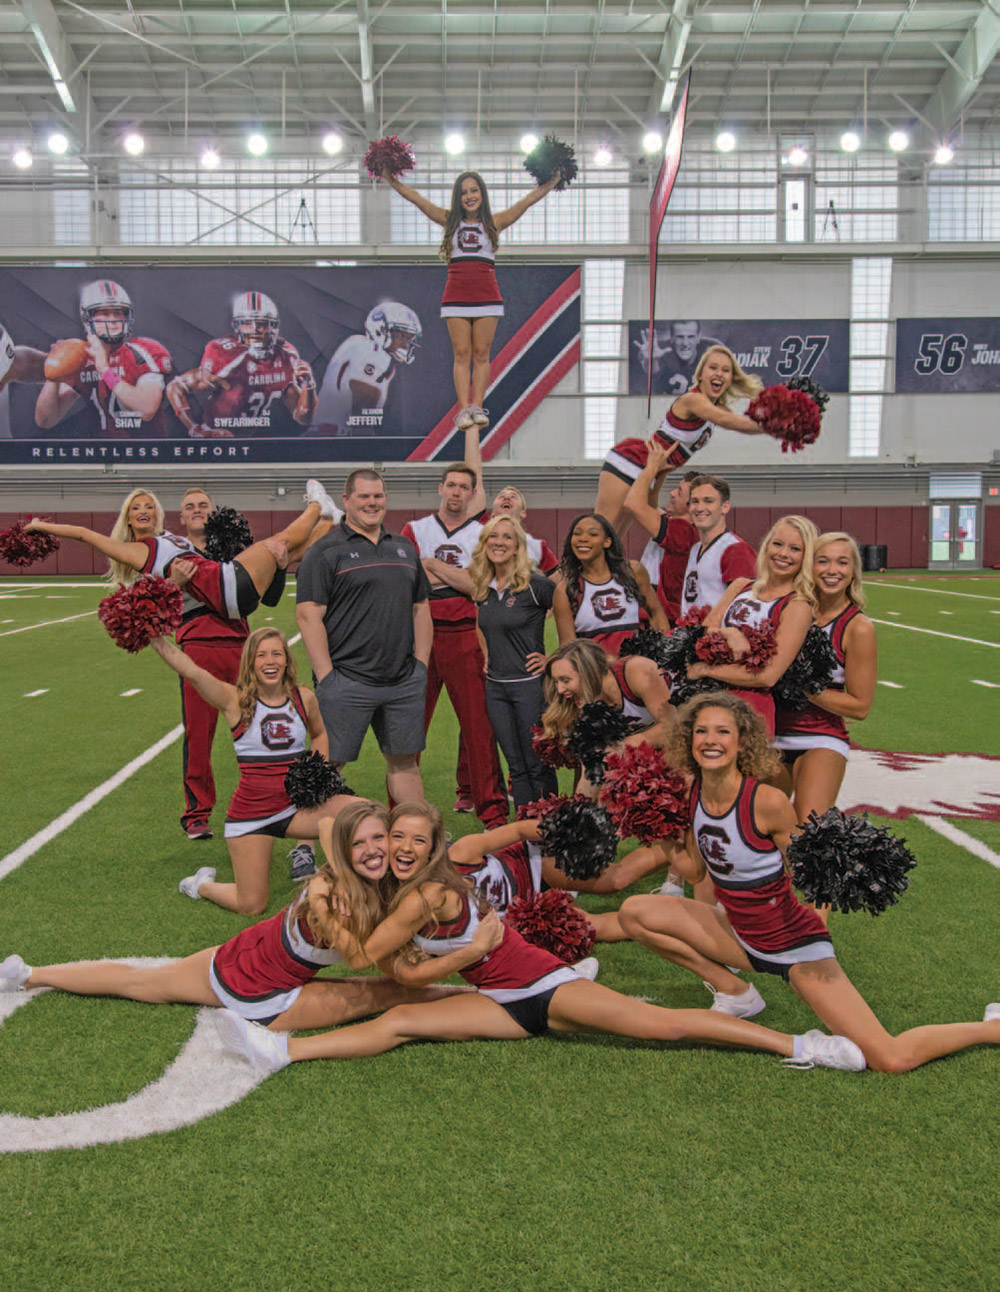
x,y
902,785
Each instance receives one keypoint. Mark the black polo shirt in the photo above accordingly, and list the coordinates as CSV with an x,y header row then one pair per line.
x,y
369,590
514,627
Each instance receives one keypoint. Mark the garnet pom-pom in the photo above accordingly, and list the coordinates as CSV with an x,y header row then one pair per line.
x,y
22,547
713,648
227,533
538,807
549,158
389,156
810,671
311,780
762,646
551,749
790,415
644,796
598,727
691,618
551,921
133,616
580,836
817,394
649,643
847,863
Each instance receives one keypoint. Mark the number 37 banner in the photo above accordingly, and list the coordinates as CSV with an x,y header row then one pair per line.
x,y
945,355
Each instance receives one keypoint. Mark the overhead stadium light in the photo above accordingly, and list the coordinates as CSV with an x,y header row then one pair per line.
x,y
725,141
332,142
133,143
257,144
57,143
798,156
210,158
603,156
529,142
454,143
850,141
943,155
22,158
652,141
899,140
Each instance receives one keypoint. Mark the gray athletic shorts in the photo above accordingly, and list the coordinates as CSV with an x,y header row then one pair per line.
x,y
394,712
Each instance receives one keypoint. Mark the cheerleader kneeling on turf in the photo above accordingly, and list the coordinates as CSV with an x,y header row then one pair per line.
x,y
523,991
740,828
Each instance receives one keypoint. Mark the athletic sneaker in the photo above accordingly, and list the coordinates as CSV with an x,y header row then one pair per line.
x,y
822,1051
481,416
327,507
466,418
464,805
190,886
265,1051
14,974
200,830
745,1005
303,861
588,968
672,888
990,1013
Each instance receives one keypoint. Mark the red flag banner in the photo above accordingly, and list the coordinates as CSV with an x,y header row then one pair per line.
x,y
658,204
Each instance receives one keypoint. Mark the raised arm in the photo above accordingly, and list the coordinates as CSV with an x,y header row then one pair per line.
x,y
860,672
433,212
641,499
133,554
504,219
54,401
474,460
220,695
695,404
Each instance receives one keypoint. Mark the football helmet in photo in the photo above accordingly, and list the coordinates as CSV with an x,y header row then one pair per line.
x,y
396,329
106,295
256,324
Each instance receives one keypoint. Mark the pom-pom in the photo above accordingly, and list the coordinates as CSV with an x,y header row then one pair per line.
x,y
22,547
847,863
762,646
679,650
817,394
684,688
538,807
133,616
227,533
809,672
311,780
598,727
549,158
551,921
713,648
551,749
791,416
66,359
644,796
650,643
388,156
696,615
580,836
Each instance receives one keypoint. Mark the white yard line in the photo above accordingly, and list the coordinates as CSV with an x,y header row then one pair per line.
x,y
931,632
978,681
895,686
954,835
30,695
86,614
938,592
136,690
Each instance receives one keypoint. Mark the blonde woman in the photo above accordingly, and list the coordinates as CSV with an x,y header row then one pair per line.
x,y
686,428
783,594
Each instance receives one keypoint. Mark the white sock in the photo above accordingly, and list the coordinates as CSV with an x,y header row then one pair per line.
x,y
797,1046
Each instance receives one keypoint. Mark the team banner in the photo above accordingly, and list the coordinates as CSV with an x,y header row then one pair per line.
x,y
773,349
942,355
247,364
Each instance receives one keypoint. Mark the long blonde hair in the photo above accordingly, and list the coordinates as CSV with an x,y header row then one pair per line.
x,y
122,531
593,665
482,569
247,688
803,581
345,887
743,385
855,591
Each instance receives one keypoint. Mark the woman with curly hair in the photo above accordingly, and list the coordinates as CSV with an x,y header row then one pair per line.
x,y
783,595
471,305
686,428
513,600
740,829
604,594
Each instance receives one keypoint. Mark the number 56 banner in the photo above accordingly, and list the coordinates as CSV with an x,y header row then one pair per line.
x,y
944,355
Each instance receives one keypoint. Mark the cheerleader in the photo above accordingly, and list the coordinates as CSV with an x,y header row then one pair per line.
x,y
740,828
782,595
687,427
471,304
270,717
268,972
580,673
603,594
522,990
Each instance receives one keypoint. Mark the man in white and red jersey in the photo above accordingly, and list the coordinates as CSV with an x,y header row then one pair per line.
x,y
246,373
356,383
665,555
445,541
122,377
512,502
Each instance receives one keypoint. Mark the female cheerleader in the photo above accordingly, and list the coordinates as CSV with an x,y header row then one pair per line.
x,y
687,427
270,717
603,592
523,991
782,594
138,545
471,304
740,830
267,972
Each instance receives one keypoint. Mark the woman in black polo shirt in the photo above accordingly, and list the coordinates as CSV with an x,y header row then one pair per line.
x,y
513,600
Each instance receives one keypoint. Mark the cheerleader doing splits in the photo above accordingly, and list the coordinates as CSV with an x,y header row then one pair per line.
x,y
686,428
523,990
739,832
268,972
471,304
269,717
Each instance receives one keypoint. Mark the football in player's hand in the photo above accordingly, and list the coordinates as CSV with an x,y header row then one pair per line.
x,y
65,359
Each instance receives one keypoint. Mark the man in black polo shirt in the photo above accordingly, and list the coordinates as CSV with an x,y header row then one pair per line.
x,y
366,625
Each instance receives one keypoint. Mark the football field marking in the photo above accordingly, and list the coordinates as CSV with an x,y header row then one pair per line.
x,y
978,681
136,690
30,695
894,685
937,592
86,614
954,835
931,632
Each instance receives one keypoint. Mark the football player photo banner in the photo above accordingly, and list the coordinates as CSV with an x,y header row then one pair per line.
x,y
663,357
940,356
267,364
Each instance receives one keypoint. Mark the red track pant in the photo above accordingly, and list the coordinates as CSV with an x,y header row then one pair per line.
x,y
222,660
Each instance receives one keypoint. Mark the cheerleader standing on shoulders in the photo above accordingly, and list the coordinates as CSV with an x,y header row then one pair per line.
x,y
686,428
739,832
471,304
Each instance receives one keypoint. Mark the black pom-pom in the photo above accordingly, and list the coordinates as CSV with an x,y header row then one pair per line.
x,y
227,533
22,547
679,650
809,672
552,921
549,158
580,836
148,608
311,780
817,394
649,643
684,688
596,729
847,863
388,156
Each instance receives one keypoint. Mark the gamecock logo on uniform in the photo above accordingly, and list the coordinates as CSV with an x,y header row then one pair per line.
x,y
450,554
470,239
741,612
712,840
276,733
691,587
608,606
